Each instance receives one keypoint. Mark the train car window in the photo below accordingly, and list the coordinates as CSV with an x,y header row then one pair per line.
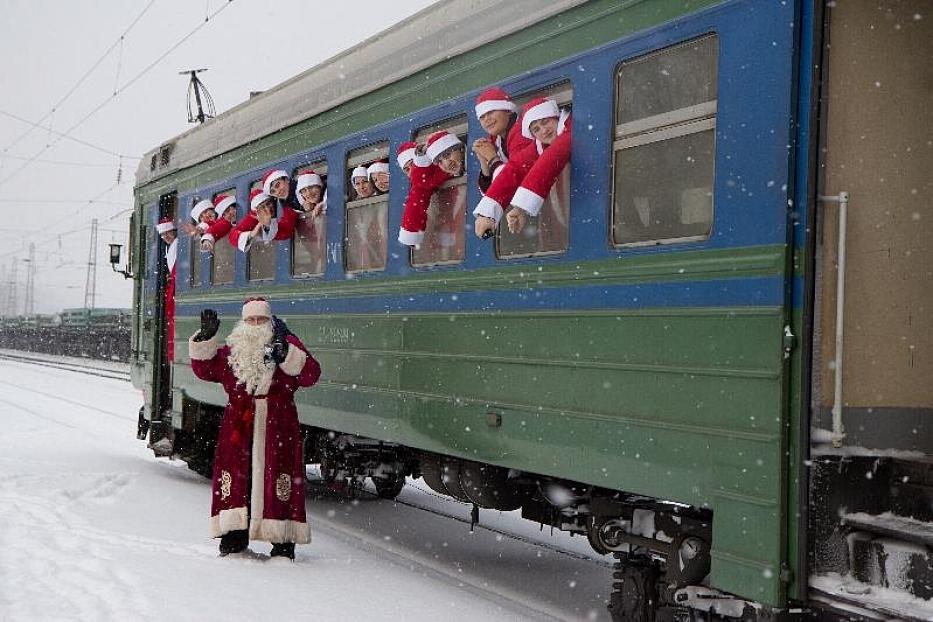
x,y
549,232
224,255
665,144
260,259
444,242
309,255
365,245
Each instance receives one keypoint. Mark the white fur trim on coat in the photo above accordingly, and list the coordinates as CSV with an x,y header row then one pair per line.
x,y
202,350
244,241
489,208
410,238
528,201
294,361
233,519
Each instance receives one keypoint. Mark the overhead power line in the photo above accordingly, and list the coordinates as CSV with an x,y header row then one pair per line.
x,y
60,135
117,92
64,98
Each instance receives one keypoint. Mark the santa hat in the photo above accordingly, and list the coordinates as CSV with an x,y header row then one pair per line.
x,y
270,177
439,142
494,98
222,203
405,153
307,179
359,171
165,225
380,166
535,110
257,197
199,208
256,307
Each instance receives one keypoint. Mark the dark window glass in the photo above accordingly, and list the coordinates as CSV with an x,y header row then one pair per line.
x,y
664,148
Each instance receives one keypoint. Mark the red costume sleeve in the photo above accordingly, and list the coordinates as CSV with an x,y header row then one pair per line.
x,y
300,364
506,182
170,315
218,230
286,222
537,183
239,237
208,362
424,181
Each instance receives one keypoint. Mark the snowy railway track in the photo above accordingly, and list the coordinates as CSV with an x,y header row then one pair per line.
x,y
90,370
605,563
532,579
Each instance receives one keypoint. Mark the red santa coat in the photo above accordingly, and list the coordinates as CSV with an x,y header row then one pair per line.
x,y
514,144
259,469
528,176
170,256
281,228
217,230
424,181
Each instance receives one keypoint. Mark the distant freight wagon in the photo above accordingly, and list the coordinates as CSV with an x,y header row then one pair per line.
x,y
712,350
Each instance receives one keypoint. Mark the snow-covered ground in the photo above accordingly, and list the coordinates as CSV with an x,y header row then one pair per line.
x,y
93,527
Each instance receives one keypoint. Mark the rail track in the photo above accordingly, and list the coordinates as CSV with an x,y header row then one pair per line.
x,y
89,369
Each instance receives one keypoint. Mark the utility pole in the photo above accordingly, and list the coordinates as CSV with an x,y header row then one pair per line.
x,y
11,304
90,285
30,307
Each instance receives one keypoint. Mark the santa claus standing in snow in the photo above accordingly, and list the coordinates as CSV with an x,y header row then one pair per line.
x,y
258,485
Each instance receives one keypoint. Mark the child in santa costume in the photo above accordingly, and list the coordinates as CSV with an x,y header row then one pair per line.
x,y
224,207
258,489
447,161
498,115
378,173
527,178
363,188
311,193
168,233
261,221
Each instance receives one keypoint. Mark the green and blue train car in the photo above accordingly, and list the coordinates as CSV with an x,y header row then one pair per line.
x,y
650,372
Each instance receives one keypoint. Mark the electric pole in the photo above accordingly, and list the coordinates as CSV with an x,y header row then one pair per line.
x,y
30,307
11,304
90,286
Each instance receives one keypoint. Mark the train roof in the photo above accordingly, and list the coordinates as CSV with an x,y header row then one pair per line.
x,y
432,35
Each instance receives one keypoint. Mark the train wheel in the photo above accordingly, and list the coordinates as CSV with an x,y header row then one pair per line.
x,y
634,597
389,487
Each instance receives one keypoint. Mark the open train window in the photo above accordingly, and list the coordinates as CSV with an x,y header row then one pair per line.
x,y
365,245
665,127
549,231
309,242
444,241
260,259
224,257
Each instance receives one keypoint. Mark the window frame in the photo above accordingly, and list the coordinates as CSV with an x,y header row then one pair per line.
x,y
678,123
365,154
561,92
319,166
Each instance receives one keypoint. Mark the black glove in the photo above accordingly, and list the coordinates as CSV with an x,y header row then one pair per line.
x,y
209,325
279,341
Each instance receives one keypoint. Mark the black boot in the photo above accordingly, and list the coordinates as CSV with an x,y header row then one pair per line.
x,y
234,542
283,549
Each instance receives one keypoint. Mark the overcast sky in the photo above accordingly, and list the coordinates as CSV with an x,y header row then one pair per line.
x,y
51,187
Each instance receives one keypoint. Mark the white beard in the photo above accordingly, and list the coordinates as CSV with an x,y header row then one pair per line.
x,y
248,354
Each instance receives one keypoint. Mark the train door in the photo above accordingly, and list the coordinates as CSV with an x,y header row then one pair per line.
x,y
160,432
872,366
